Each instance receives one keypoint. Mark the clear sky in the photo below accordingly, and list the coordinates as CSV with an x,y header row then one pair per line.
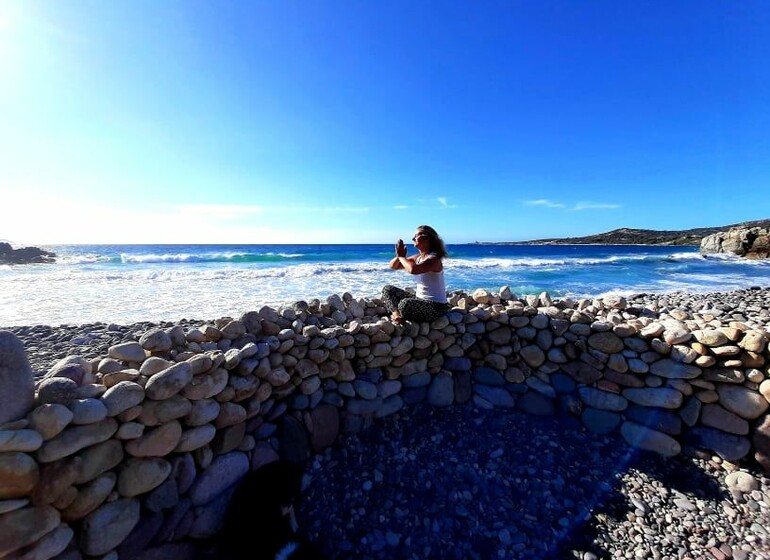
x,y
175,121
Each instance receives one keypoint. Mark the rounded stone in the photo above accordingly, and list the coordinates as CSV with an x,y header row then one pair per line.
x,y
50,419
108,526
139,476
710,337
441,390
90,496
169,382
156,341
19,474
744,402
17,387
742,482
57,390
651,440
157,442
122,396
127,352
607,342
73,367
25,526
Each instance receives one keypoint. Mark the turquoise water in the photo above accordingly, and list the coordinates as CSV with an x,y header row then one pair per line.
x,y
128,283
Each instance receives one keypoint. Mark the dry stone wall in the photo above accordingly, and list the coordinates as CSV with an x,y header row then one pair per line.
x,y
142,447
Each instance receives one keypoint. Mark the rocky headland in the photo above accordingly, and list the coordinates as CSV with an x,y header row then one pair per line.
x,y
24,255
514,427
631,236
749,242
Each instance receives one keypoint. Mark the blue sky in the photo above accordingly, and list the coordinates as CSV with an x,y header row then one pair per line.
x,y
141,121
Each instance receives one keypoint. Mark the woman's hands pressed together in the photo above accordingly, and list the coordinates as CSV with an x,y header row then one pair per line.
x,y
395,262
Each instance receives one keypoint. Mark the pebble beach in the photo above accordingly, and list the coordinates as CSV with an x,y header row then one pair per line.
x,y
464,482
467,483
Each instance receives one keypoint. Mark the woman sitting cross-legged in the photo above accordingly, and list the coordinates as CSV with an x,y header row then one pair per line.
x,y
430,301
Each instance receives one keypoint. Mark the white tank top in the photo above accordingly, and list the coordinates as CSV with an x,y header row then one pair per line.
x,y
430,285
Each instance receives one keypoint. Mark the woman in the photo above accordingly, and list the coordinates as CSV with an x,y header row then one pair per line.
x,y
430,302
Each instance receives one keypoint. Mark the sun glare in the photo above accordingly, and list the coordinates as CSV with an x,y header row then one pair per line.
x,y
6,36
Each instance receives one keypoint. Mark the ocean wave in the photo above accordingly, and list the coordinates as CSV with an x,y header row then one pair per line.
x,y
284,258
228,257
85,259
237,274
529,262
706,278
735,259
686,257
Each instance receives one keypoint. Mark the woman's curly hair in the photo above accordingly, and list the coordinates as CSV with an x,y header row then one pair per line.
x,y
436,243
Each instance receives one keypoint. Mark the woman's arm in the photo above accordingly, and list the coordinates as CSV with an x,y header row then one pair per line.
x,y
395,264
431,264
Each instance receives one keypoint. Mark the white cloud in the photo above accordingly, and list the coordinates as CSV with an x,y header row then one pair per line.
x,y
442,200
401,207
577,207
544,202
594,206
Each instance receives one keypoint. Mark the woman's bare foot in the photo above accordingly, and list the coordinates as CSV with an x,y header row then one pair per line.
x,y
396,318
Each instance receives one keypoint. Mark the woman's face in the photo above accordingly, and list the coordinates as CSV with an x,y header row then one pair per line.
x,y
421,240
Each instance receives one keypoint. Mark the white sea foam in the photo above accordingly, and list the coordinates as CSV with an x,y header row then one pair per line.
x,y
529,262
686,257
740,261
157,258
82,259
227,256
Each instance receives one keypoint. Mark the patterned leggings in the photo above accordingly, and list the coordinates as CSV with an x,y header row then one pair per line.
x,y
411,307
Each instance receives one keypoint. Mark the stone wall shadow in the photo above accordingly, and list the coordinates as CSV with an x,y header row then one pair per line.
x,y
480,484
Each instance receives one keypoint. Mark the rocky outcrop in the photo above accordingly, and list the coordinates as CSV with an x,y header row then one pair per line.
x,y
749,242
25,255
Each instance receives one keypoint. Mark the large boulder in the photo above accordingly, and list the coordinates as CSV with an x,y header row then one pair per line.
x,y
17,385
25,255
750,242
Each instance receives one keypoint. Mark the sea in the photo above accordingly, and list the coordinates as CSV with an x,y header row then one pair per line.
x,y
130,283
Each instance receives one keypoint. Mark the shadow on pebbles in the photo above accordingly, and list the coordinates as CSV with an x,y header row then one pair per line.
x,y
466,483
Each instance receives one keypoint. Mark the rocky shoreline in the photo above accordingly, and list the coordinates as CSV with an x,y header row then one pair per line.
x,y
466,482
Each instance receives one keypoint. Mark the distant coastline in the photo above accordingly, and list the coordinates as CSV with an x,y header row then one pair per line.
x,y
630,236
